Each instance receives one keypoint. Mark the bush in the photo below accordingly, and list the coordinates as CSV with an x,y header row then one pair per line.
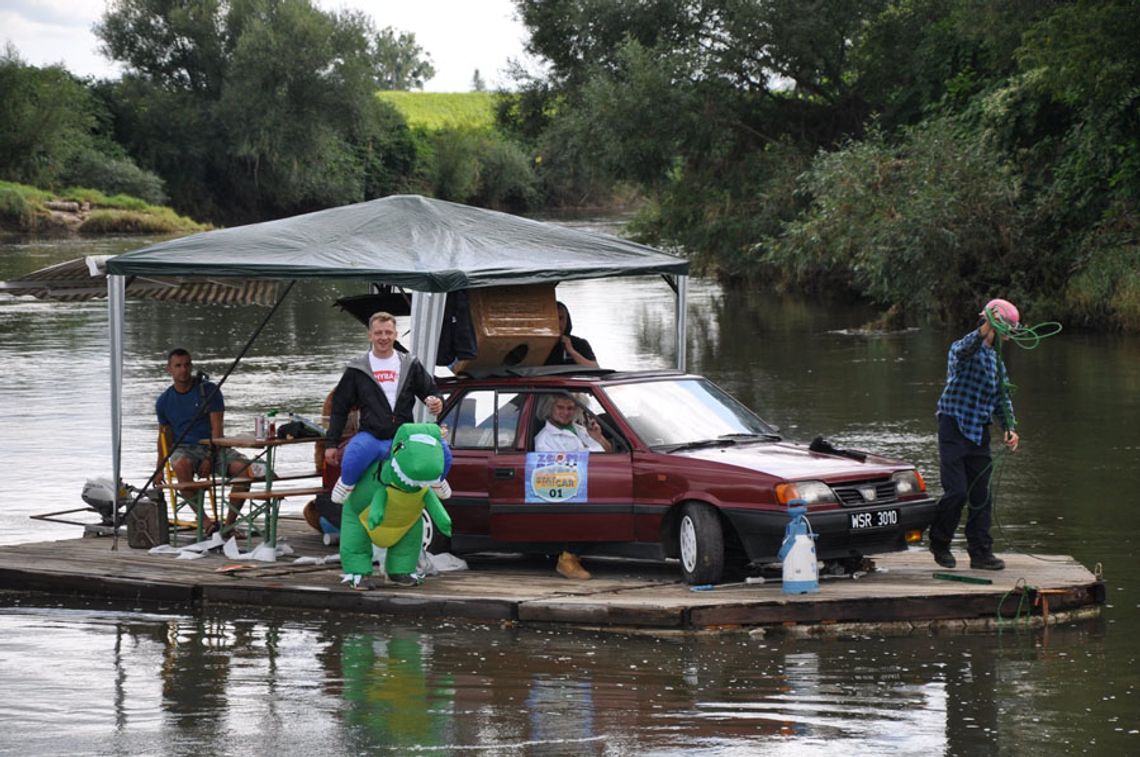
x,y
453,171
114,176
932,226
1105,288
506,179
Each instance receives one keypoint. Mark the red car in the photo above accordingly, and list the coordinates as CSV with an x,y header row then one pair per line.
x,y
693,474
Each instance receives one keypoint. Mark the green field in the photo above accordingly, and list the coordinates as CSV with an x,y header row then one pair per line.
x,y
444,110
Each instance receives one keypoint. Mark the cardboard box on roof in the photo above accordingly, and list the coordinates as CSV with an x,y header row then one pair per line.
x,y
514,325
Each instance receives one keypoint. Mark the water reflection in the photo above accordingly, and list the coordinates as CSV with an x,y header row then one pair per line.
x,y
391,699
226,683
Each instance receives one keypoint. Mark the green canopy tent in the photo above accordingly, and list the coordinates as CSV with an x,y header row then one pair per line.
x,y
427,246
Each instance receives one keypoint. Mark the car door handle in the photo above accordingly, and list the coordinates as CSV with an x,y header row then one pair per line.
x,y
502,473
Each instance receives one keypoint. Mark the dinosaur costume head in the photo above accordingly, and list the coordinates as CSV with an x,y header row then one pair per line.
x,y
416,460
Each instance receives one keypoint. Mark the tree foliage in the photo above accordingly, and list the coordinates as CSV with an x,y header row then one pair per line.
x,y
402,64
46,117
260,108
54,133
949,149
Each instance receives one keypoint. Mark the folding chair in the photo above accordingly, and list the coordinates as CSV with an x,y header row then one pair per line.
x,y
190,495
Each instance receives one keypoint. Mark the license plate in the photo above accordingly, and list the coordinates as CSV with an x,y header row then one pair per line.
x,y
870,521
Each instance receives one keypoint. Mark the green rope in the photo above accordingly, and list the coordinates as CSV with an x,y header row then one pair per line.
x,y
1023,588
1028,338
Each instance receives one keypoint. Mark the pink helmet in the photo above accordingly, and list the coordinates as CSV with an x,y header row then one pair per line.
x,y
1003,310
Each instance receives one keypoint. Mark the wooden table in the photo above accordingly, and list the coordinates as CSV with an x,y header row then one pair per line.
x,y
269,498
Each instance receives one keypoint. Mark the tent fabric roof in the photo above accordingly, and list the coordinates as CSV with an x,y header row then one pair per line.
x,y
409,241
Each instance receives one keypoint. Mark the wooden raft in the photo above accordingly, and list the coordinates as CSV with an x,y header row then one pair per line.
x,y
901,596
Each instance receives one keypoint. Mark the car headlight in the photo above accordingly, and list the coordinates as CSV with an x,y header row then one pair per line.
x,y
908,483
812,492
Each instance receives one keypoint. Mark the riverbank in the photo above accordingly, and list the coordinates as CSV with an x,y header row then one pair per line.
x,y
77,211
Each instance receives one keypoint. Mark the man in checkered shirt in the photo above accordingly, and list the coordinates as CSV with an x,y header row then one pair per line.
x,y
973,397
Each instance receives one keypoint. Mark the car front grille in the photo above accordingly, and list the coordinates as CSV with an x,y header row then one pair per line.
x,y
862,493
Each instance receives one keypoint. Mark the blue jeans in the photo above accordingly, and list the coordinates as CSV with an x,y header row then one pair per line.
x,y
965,469
364,449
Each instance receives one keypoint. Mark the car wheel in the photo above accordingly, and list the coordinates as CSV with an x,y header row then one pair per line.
x,y
701,545
433,541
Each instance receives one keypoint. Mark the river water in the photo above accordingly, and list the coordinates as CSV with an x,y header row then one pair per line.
x,y
90,678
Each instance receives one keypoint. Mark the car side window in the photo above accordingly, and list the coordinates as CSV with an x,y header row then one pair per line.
x,y
471,421
509,412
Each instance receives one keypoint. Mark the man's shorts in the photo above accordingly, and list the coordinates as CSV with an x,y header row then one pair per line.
x,y
197,453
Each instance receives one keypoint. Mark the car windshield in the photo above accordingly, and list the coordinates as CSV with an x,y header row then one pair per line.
x,y
690,412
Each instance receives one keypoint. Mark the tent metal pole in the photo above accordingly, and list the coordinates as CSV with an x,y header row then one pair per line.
x,y
682,326
116,298
427,320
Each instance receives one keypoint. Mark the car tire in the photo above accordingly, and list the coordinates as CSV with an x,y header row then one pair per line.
x,y
433,540
700,544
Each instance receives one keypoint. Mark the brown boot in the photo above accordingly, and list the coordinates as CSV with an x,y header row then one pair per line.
x,y
312,517
569,567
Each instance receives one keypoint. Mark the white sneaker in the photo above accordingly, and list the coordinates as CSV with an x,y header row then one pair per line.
x,y
341,491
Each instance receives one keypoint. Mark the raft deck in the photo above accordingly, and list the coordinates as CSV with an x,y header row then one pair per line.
x,y
902,595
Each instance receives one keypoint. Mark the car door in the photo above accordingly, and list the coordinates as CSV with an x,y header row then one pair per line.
x,y
468,420
539,497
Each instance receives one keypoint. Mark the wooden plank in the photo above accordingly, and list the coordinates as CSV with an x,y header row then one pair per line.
x,y
286,476
310,491
601,612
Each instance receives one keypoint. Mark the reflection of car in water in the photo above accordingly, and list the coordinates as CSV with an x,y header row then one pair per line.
x,y
693,475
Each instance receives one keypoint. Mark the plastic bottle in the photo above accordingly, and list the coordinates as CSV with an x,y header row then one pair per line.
x,y
801,569
271,416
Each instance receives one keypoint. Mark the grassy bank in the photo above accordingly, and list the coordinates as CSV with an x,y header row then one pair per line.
x,y
26,209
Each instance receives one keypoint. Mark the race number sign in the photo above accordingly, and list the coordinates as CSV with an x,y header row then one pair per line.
x,y
556,476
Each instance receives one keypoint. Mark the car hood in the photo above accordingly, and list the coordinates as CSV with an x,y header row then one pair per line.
x,y
792,461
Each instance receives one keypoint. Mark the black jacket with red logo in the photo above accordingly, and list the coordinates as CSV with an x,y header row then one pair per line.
x,y
358,388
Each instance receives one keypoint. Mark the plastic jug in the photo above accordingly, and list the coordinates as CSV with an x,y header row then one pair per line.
x,y
801,569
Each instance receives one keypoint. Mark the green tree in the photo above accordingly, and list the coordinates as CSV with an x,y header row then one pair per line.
x,y
255,108
46,118
400,62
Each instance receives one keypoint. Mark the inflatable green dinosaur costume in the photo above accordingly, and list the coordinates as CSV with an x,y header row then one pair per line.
x,y
385,507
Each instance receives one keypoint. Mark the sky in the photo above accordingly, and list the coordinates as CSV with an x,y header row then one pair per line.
x,y
459,35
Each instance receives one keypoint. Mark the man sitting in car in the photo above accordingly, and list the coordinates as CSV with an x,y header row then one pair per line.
x,y
562,434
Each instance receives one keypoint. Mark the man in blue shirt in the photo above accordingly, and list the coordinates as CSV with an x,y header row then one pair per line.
x,y
975,393
191,410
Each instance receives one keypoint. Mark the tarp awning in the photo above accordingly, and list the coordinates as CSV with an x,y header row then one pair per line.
x,y
409,241
84,279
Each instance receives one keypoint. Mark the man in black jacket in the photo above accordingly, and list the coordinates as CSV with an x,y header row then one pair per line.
x,y
385,385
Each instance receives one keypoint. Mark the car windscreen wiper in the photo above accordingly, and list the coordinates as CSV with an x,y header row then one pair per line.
x,y
700,443
748,436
